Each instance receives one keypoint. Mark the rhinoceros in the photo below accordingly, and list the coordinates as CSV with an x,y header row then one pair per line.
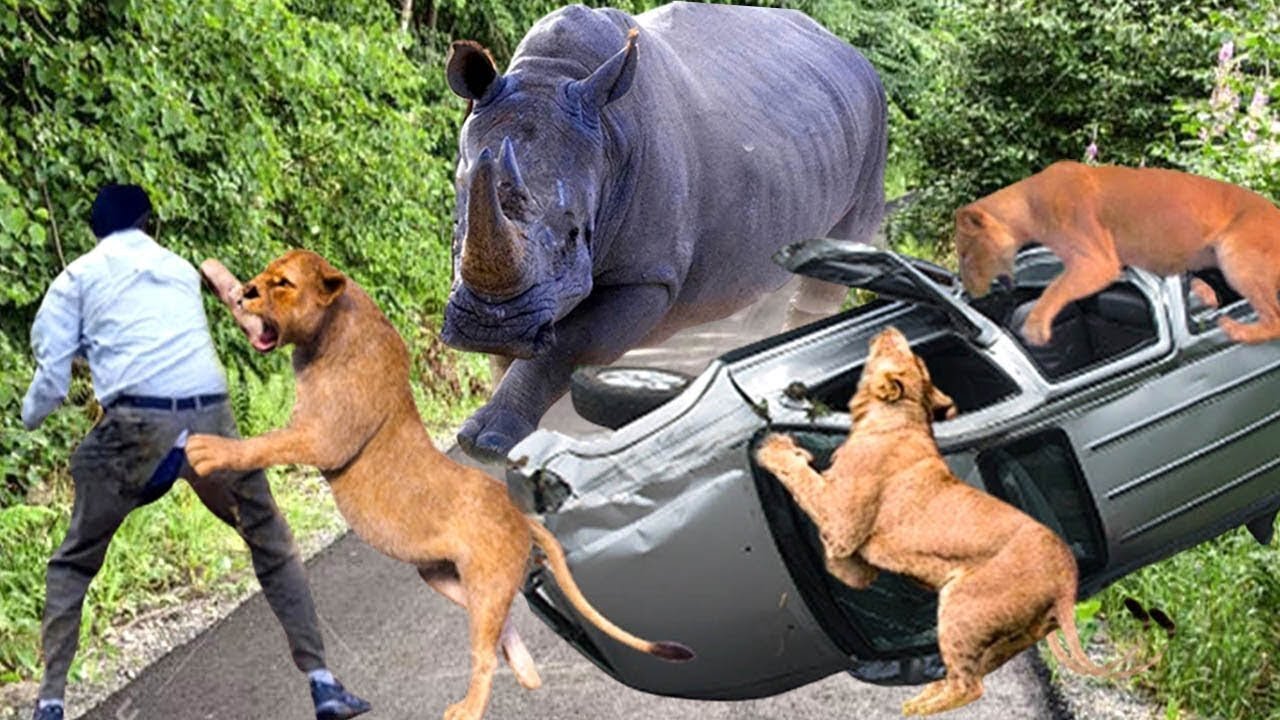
x,y
629,176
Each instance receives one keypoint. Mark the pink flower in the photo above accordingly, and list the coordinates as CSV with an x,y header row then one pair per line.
x,y
1091,153
1258,103
1226,52
1224,98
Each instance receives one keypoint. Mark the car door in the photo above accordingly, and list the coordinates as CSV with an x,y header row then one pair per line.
x,y
1186,453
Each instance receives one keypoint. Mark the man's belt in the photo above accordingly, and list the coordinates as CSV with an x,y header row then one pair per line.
x,y
171,404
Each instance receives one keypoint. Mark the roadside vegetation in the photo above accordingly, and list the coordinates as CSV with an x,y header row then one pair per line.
x,y
259,125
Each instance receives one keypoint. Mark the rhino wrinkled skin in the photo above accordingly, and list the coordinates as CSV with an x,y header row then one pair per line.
x,y
630,176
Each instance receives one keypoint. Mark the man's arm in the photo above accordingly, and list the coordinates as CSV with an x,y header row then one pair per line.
x,y
227,288
55,340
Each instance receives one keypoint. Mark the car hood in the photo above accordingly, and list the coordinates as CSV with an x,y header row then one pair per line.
x,y
858,265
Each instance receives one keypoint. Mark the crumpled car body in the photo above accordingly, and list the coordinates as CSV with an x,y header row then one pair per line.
x,y
1140,431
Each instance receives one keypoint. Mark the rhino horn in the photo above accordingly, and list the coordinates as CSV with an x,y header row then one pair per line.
x,y
511,169
611,80
493,250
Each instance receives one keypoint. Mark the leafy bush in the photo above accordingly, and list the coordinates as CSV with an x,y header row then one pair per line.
x,y
1234,133
254,129
27,459
1018,85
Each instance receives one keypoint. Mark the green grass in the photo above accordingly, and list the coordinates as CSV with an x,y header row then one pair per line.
x,y
165,553
1224,661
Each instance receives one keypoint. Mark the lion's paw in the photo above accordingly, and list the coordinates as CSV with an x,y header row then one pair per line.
x,y
781,451
1036,333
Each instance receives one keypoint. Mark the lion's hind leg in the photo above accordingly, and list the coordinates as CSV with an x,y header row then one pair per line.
x,y
443,578
852,571
986,616
1250,260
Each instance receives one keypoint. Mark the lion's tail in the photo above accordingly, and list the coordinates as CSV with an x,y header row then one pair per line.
x,y
1074,657
670,651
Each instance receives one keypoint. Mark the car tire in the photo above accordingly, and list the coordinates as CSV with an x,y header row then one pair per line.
x,y
614,396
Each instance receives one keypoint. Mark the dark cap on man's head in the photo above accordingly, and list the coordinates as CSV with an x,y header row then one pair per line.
x,y
119,207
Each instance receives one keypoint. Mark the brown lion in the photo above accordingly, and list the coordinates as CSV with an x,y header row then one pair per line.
x,y
355,420
1100,219
889,502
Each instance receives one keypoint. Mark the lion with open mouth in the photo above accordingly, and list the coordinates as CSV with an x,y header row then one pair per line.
x,y
355,419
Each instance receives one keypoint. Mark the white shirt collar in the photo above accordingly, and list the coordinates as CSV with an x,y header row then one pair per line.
x,y
132,235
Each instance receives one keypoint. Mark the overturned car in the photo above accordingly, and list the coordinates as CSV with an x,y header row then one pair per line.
x,y
1140,431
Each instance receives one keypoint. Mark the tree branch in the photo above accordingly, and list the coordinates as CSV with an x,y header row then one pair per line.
x,y
53,221
406,14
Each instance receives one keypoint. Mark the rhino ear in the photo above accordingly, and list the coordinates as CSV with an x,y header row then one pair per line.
x,y
613,79
471,71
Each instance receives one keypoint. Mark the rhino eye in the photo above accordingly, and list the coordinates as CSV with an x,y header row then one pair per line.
x,y
573,234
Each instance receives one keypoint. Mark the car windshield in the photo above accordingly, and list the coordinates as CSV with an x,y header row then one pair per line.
x,y
858,265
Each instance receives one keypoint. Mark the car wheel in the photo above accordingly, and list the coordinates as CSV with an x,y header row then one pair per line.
x,y
614,396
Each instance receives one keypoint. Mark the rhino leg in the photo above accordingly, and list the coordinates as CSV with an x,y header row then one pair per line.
x,y
498,366
600,329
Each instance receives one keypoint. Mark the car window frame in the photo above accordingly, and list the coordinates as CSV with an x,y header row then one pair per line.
x,y
1209,335
1153,288
984,463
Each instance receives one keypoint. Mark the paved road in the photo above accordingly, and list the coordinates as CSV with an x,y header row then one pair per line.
x,y
405,649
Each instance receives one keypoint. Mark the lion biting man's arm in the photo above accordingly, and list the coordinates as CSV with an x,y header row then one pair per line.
x,y
327,430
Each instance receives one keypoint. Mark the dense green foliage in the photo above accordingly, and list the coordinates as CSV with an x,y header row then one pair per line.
x,y
253,128
1233,133
1021,84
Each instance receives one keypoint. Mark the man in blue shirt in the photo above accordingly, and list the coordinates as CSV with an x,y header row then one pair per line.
x,y
133,309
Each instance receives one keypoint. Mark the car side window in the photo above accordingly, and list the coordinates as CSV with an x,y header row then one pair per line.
x,y
1039,475
970,378
1088,333
1207,293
